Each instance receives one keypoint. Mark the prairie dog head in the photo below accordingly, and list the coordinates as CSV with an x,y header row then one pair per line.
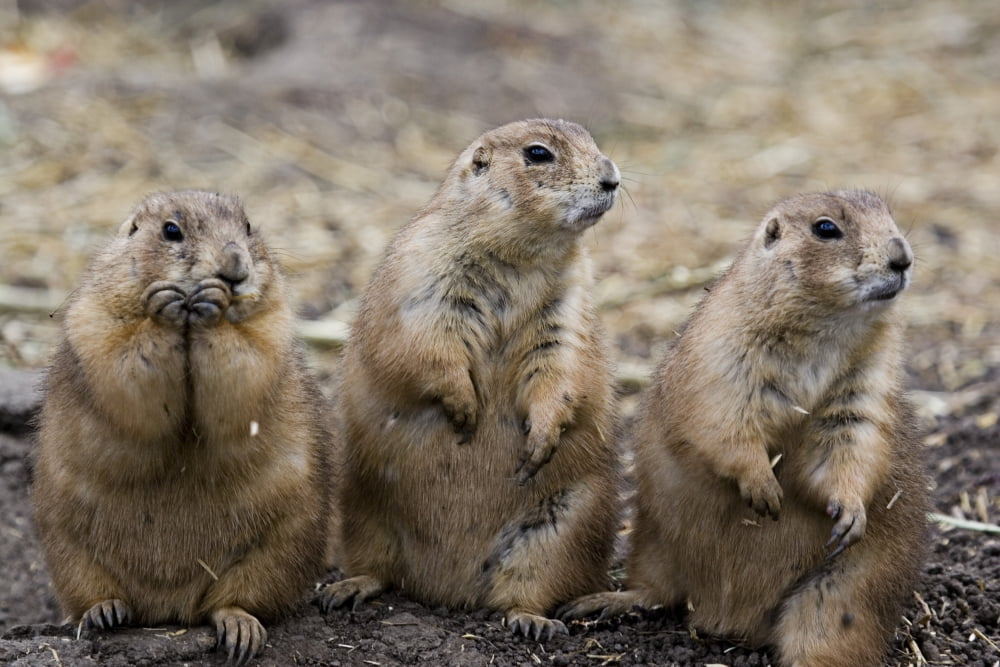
x,y
185,237
841,249
547,174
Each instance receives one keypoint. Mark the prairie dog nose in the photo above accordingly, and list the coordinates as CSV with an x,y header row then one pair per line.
x,y
900,255
610,177
235,264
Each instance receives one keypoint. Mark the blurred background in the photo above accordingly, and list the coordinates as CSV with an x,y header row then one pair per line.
x,y
335,121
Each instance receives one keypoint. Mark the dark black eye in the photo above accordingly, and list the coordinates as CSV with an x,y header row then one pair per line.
x,y
249,231
172,232
537,154
827,229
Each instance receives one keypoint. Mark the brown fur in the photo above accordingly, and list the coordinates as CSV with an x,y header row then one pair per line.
x,y
789,354
147,475
475,357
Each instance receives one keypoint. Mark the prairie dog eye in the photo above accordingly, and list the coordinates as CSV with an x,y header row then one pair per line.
x,y
249,231
538,154
172,231
826,229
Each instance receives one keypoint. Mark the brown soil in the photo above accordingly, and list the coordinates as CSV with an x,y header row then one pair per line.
x,y
336,121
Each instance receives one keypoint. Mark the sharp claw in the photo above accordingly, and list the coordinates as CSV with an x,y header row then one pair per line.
x,y
242,646
233,640
836,552
526,471
838,534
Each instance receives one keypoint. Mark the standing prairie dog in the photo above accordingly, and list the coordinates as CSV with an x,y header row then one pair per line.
x,y
783,397
182,470
477,395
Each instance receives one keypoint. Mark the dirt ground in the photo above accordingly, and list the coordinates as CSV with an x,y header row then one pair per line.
x,y
335,122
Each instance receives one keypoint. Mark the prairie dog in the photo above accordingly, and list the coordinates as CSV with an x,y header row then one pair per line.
x,y
182,471
478,404
795,353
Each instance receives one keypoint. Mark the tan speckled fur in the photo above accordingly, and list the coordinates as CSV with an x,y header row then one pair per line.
x,y
791,353
477,348
147,474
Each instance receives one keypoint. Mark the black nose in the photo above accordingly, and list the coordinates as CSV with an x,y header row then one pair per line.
x,y
610,178
900,255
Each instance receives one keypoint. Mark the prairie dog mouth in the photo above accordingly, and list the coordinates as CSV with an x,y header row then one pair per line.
x,y
883,290
582,217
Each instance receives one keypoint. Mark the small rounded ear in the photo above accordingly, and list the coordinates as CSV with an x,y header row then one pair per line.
x,y
772,233
481,160
130,226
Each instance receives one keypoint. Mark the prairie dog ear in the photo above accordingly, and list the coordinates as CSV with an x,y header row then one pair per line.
x,y
772,232
481,160
130,226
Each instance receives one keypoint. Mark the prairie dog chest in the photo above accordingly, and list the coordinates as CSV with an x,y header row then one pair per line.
x,y
795,385
495,306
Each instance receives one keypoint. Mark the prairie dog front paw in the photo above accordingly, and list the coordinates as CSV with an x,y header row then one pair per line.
x,y
461,406
851,521
164,303
208,302
544,428
761,492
